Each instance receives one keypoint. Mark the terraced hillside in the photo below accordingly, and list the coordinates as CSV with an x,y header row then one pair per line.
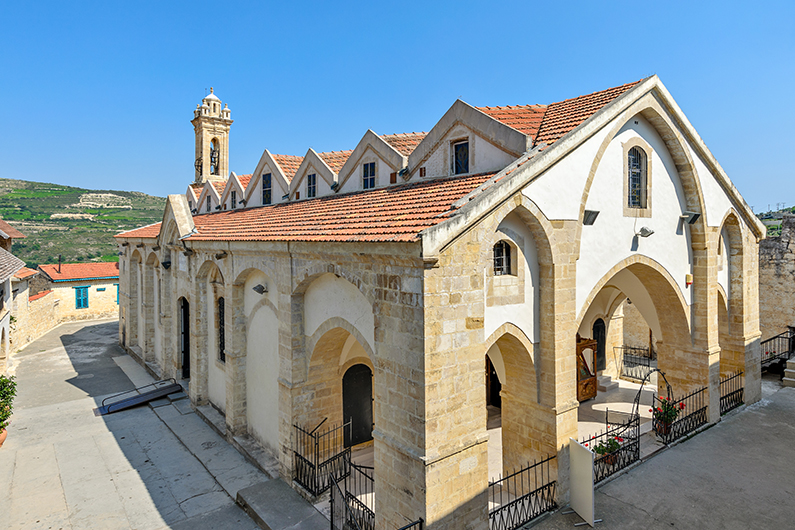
x,y
79,224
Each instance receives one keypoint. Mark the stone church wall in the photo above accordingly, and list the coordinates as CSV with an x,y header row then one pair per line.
x,y
777,281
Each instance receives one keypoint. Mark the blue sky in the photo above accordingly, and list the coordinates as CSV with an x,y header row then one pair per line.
x,y
100,94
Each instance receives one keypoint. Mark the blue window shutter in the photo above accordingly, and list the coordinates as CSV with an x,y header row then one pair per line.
x,y
81,297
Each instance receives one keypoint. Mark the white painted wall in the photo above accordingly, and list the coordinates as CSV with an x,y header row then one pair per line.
x,y
216,387
483,156
262,371
610,239
524,315
140,308
382,172
724,263
156,314
495,355
717,203
329,296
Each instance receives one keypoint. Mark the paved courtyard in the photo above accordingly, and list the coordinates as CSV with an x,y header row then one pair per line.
x,y
62,467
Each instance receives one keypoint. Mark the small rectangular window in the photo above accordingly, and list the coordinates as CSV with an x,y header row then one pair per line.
x,y
311,185
81,297
100,289
221,331
208,203
393,178
502,259
234,199
297,195
368,175
461,158
266,188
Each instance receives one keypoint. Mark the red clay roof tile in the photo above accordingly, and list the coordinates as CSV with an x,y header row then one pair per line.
x,y
524,118
39,295
244,180
289,164
405,143
81,271
10,231
25,273
219,185
148,231
335,159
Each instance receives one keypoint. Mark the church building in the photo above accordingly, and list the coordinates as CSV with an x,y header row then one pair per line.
x,y
371,288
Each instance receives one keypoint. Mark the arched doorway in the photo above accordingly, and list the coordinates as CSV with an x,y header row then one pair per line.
x,y
599,335
184,336
493,385
357,404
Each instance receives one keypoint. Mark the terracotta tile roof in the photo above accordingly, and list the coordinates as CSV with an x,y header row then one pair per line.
x,y
25,273
395,213
405,143
80,271
244,180
219,185
564,116
9,264
148,231
39,295
335,159
10,231
524,118
196,190
289,164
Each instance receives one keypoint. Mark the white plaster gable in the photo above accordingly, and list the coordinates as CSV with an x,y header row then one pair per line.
x,y
312,163
215,199
176,210
279,182
233,183
501,136
193,200
371,148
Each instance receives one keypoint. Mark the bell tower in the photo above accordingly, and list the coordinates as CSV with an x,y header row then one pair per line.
x,y
211,124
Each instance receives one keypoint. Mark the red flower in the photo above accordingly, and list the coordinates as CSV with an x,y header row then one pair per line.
x,y
659,409
619,439
681,406
586,445
651,410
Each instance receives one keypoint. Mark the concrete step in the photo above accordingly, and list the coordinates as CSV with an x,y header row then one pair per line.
x,y
788,381
605,383
276,506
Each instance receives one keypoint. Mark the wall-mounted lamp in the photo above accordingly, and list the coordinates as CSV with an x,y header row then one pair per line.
x,y
121,253
194,211
218,207
125,244
403,172
260,289
690,217
156,248
688,280
242,201
334,186
590,217
188,252
221,255
139,245
285,196
645,231
166,264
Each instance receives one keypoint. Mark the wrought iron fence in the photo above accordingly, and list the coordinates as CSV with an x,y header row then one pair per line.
x,y
731,392
675,418
522,496
342,517
779,347
616,448
318,455
416,525
637,362
360,495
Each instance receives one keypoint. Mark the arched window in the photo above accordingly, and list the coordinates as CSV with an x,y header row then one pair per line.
x,y
215,155
636,178
502,258
221,331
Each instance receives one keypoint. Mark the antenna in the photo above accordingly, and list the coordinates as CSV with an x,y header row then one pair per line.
x,y
59,263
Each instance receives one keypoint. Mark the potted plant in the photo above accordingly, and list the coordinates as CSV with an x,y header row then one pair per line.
x,y
665,414
8,389
608,448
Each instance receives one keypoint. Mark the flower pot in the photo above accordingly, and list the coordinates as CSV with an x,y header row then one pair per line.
x,y
611,459
662,428
3,435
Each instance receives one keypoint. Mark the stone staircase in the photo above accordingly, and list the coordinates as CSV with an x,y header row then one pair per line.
x,y
605,383
789,374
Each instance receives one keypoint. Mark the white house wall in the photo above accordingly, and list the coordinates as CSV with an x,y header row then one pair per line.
x,y
216,385
483,156
262,369
610,239
724,263
330,296
523,315
716,201
382,171
158,325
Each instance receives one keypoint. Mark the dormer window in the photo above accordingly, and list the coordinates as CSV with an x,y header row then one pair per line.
x,y
234,199
311,185
266,188
502,258
461,157
208,203
368,175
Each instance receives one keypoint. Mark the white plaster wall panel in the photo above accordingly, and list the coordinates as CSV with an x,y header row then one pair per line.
x,y
141,315
724,263
487,156
716,202
524,315
330,296
495,355
610,239
216,384
352,350
251,298
567,176
438,163
262,370
157,319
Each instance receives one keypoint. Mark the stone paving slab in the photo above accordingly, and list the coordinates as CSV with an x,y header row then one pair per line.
x,y
276,506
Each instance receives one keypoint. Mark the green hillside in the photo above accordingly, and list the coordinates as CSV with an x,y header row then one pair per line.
x,y
79,224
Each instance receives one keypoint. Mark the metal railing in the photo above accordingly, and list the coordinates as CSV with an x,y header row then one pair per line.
x,y
637,362
690,414
625,435
731,392
416,525
318,455
521,496
360,494
342,515
779,347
